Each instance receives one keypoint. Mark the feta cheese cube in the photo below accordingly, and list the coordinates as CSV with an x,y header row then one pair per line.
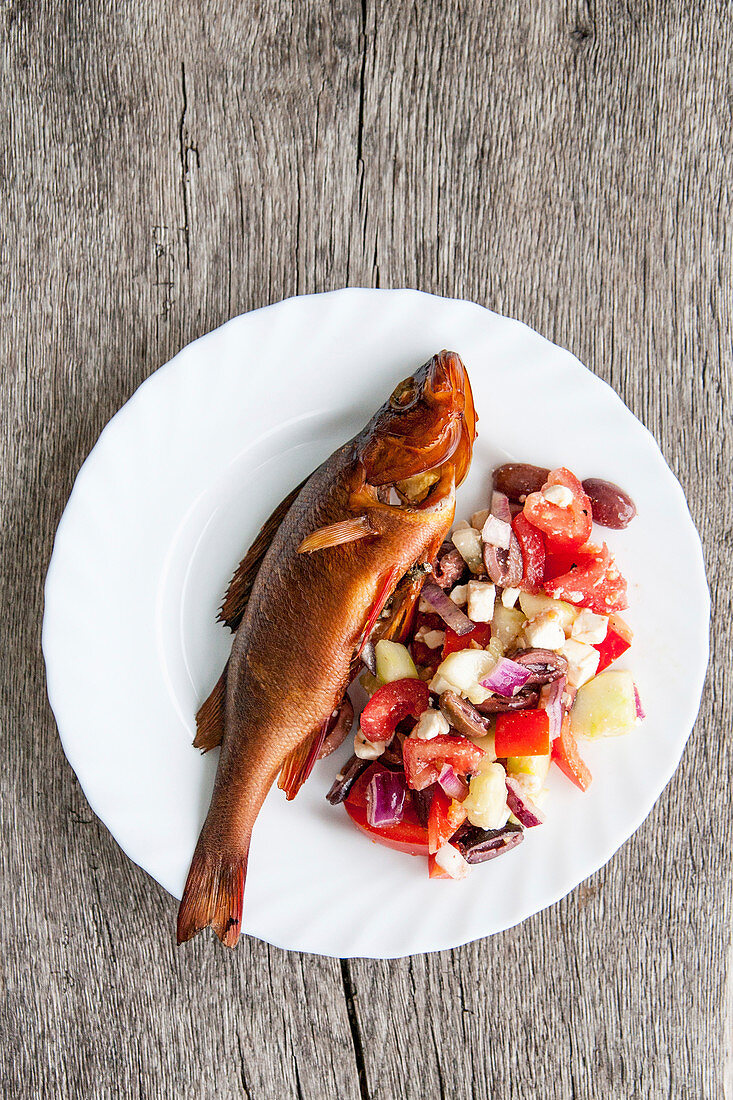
x,y
589,627
497,533
459,595
431,723
481,599
545,631
582,662
434,638
450,860
510,596
559,495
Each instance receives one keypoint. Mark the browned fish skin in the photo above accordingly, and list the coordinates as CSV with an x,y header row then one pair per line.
x,y
292,653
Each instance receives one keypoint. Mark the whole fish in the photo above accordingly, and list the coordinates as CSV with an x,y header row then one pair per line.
x,y
306,600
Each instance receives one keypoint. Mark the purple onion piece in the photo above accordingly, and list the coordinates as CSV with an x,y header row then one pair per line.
x,y
455,786
551,701
345,780
385,799
479,845
640,713
521,805
506,677
451,615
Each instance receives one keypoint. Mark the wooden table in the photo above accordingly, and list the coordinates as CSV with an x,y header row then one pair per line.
x,y
167,166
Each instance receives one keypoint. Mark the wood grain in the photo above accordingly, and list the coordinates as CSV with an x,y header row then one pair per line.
x,y
166,167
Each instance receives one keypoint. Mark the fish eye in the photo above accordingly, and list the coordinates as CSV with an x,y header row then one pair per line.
x,y
405,396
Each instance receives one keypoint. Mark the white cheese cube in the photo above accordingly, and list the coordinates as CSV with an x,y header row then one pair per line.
x,y
497,533
559,495
431,723
450,860
510,596
582,662
589,627
459,595
481,597
545,631
434,638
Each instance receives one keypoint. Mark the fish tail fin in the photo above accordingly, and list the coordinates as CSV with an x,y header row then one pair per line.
x,y
213,895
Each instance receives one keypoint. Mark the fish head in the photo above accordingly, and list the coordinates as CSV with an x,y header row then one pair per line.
x,y
425,430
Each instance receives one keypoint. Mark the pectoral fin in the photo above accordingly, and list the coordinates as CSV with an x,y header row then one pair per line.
x,y
346,530
240,586
210,717
383,593
299,763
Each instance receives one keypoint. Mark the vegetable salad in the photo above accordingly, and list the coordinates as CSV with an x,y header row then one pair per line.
x,y
506,664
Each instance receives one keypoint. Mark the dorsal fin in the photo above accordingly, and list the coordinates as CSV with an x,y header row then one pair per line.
x,y
240,586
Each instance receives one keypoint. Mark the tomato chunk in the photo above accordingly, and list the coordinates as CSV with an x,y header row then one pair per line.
x,y
566,756
532,546
407,835
424,759
617,641
446,815
567,525
596,584
390,704
522,733
481,633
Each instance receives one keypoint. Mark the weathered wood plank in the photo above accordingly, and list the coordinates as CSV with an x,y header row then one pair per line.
x,y
571,166
165,171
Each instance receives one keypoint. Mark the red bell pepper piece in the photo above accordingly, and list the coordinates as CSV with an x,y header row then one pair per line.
x,y
446,815
481,633
532,546
566,756
522,733
390,704
424,759
617,641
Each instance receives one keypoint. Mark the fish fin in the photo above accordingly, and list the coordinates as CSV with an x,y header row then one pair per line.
x,y
346,530
299,763
397,627
213,895
383,593
210,716
237,595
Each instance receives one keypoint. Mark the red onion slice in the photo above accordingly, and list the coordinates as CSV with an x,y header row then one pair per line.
x,y
521,805
385,799
551,701
640,714
506,677
453,785
451,615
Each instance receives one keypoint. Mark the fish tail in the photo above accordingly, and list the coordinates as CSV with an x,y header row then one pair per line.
x,y
213,894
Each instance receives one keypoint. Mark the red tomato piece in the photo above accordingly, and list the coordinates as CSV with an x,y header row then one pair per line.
x,y
424,656
532,546
407,835
596,584
390,704
424,759
566,756
522,733
568,526
446,815
617,641
481,633
561,559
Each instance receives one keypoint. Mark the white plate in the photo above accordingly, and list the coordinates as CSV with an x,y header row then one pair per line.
x,y
168,501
